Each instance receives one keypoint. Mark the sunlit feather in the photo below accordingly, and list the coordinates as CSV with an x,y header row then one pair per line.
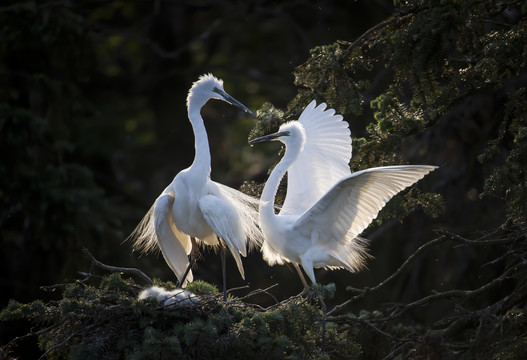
x,y
195,206
326,207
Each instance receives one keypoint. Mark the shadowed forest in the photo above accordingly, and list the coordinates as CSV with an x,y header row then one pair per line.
x,y
93,127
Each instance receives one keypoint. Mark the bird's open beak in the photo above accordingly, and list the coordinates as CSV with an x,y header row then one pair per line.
x,y
231,100
270,137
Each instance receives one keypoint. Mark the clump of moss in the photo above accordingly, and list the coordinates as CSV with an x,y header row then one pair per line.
x,y
200,287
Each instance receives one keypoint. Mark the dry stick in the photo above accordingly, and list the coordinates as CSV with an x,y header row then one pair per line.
x,y
36,333
394,352
455,293
260,291
403,16
286,301
445,236
461,322
62,343
347,318
363,292
131,271
238,288
481,241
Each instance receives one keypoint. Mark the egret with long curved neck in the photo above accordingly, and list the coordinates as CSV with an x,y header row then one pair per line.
x,y
326,207
195,210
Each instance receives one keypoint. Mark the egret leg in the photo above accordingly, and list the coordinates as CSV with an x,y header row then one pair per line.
x,y
302,278
194,254
180,282
322,307
224,272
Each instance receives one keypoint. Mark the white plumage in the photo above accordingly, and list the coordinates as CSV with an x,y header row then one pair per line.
x,y
323,160
326,207
194,206
179,298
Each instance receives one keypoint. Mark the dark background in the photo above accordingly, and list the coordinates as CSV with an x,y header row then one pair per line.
x,y
94,126
106,83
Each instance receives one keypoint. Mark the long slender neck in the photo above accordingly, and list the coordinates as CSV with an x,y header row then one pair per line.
x,y
201,142
271,186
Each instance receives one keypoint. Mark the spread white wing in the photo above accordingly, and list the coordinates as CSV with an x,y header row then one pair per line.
x,y
323,161
351,205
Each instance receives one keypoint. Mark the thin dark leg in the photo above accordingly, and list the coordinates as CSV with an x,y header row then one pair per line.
x,y
192,261
189,266
302,278
322,306
224,272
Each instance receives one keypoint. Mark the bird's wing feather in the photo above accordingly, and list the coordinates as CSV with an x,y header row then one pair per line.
x,y
247,208
323,161
225,222
175,245
144,235
351,205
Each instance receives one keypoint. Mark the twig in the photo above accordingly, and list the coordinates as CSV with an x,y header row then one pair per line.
x,y
482,241
346,318
494,22
36,333
260,291
445,235
454,293
238,288
398,349
53,287
62,343
131,271
380,25
288,300
362,292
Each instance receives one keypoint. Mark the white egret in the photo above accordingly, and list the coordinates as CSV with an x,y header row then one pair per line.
x,y
326,207
195,210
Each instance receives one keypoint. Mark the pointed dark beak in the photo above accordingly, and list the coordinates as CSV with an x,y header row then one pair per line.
x,y
232,100
270,137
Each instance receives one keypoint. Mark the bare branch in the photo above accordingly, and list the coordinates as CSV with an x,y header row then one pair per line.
x,y
445,235
261,291
65,341
454,294
365,291
347,318
402,16
131,271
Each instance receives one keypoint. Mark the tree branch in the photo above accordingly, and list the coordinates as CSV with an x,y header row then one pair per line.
x,y
454,294
445,235
131,271
365,291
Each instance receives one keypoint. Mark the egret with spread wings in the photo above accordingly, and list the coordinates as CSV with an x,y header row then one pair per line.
x,y
195,210
326,207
